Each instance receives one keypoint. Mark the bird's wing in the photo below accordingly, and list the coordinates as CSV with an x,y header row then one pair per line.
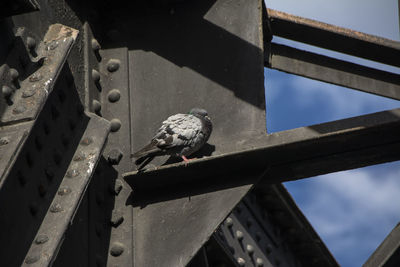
x,y
178,130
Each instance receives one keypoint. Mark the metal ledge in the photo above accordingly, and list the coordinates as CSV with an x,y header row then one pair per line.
x,y
284,156
334,38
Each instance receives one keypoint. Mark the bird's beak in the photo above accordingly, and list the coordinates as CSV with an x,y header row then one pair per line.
x,y
208,118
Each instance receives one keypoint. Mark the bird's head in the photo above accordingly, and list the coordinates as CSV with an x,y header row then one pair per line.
x,y
199,112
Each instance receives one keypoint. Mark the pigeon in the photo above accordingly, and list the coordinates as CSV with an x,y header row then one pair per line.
x,y
180,135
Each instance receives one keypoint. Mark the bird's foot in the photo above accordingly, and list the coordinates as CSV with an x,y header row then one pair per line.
x,y
186,160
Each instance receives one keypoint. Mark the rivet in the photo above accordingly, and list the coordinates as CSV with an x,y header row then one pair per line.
x,y
6,91
52,45
98,229
62,191
239,235
21,178
229,222
86,141
32,258
49,171
250,249
114,156
259,262
116,218
241,261
79,156
42,190
13,74
35,77
4,141
258,236
28,92
69,80
113,34
99,261
19,109
57,158
64,140
238,209
55,208
80,110
99,198
113,65
41,239
71,124
31,43
54,112
72,173
38,143
117,187
95,76
268,249
95,45
61,96
96,105
114,95
34,209
117,249
115,125
46,128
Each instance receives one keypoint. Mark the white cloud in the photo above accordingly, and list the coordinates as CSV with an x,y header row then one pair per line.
x,y
352,210
341,102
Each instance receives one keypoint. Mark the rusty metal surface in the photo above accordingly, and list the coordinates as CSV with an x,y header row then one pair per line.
x,y
339,72
60,215
26,103
388,252
288,155
334,38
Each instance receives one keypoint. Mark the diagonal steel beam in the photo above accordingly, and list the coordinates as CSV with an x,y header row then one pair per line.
x,y
388,252
288,155
331,70
334,38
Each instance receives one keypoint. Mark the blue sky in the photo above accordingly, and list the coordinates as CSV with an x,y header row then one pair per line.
x,y
352,211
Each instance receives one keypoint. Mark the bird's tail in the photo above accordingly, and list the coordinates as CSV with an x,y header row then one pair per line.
x,y
146,154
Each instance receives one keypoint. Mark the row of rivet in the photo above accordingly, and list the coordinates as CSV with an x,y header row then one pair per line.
x,y
114,156
7,91
239,235
56,207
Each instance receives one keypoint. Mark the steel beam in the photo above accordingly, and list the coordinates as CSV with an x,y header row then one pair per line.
x,y
288,155
334,38
267,229
64,206
388,252
331,70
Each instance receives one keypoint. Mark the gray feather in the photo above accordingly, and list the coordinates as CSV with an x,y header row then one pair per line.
x,y
179,135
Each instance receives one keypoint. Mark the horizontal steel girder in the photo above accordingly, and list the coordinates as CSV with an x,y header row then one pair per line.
x,y
334,38
331,70
284,156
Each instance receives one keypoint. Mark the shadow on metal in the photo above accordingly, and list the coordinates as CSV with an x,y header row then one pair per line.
x,y
91,230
